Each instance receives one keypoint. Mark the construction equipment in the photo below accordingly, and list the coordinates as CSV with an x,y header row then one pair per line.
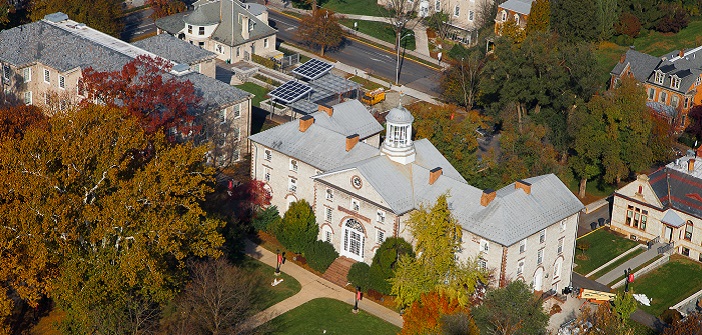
x,y
373,97
597,297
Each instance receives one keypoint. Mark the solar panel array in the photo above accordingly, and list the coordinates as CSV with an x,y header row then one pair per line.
x,y
290,91
313,69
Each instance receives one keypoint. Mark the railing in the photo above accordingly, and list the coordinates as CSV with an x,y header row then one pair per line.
x,y
652,242
666,247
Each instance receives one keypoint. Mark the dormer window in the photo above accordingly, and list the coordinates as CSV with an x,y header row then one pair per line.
x,y
659,77
698,81
190,29
201,30
675,82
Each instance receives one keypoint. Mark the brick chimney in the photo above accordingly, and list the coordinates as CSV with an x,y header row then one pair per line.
x,y
434,174
523,185
681,54
328,110
622,59
245,27
351,141
306,122
691,165
487,197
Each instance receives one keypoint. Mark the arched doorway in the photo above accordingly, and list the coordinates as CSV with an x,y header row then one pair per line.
x,y
353,240
538,278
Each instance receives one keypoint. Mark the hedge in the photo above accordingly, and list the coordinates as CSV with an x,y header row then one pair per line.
x,y
320,255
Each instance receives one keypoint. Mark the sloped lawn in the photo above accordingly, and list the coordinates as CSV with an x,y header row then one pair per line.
x,y
604,247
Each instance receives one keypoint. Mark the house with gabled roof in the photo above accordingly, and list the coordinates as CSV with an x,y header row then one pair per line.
x,y
362,190
233,30
665,206
516,11
46,58
672,82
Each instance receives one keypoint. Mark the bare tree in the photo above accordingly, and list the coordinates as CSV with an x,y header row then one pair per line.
x,y
218,300
399,13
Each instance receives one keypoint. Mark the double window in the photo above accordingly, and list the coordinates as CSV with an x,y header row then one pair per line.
x,y
636,217
675,82
688,230
28,98
659,77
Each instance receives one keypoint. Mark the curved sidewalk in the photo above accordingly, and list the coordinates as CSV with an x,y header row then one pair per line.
x,y
312,287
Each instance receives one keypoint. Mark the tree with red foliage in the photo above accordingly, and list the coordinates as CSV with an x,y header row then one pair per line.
x,y
249,197
165,7
628,25
426,315
695,126
140,87
674,18
15,120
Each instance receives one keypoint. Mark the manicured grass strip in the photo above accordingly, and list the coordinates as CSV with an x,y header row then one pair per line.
x,y
636,269
359,7
367,84
382,31
259,92
328,316
619,262
604,246
669,284
267,295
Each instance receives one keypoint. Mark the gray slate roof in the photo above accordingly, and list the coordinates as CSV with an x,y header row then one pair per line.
x,y
228,31
174,49
60,49
519,6
677,190
349,118
641,65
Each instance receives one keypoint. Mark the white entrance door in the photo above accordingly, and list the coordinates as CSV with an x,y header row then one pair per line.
x,y
668,234
538,278
353,240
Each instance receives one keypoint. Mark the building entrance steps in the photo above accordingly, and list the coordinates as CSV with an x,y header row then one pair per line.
x,y
313,287
337,271
630,264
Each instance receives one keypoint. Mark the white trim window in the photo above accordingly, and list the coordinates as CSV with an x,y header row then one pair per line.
x,y
27,74
265,43
379,236
328,214
222,116
504,15
292,185
47,76
201,30
663,97
237,111
516,19
327,235
293,165
266,174
62,82
659,77
484,245
651,93
563,225
6,71
540,256
380,216
522,246
557,269
471,15
520,266
457,11
542,236
561,243
28,98
190,30
329,194
437,6
267,155
675,82
219,48
355,205
674,101
236,133
482,263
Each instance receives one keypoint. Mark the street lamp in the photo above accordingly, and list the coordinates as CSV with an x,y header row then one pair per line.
x,y
397,65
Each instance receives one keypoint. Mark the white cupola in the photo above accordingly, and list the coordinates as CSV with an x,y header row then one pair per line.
x,y
398,144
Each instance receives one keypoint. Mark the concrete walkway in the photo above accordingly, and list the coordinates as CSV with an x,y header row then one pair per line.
x,y
630,264
312,287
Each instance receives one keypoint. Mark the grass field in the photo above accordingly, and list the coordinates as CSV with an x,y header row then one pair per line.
x,y
367,84
669,284
619,262
328,316
268,295
382,31
259,92
359,7
604,246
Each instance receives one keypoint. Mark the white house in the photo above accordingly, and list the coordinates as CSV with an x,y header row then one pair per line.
x,y
362,191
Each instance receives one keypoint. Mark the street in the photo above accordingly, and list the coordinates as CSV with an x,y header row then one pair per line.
x,y
366,57
137,24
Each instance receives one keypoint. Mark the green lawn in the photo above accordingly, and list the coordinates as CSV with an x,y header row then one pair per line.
x,y
604,247
360,7
259,92
619,262
382,31
268,295
367,84
669,284
328,316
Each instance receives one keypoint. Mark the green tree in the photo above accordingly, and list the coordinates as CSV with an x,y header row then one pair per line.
x,y
539,17
298,229
321,28
265,219
100,216
437,236
103,15
385,261
607,15
603,321
647,11
512,310
575,21
460,82
624,305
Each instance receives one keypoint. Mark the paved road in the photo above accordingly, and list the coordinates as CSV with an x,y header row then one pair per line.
x,y
137,24
367,57
585,221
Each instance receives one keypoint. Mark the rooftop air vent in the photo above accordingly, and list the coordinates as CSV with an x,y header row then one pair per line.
x,y
56,17
180,69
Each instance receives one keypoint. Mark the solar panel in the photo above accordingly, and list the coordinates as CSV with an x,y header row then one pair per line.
x,y
313,69
290,91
